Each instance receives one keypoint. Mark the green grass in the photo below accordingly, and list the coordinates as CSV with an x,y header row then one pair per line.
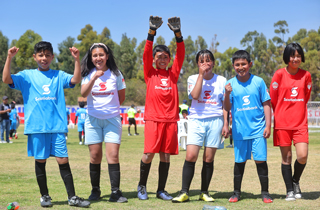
x,y
18,181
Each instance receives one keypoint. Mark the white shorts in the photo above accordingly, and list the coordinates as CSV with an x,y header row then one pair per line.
x,y
99,130
205,132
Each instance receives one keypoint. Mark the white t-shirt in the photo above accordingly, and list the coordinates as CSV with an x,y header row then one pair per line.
x,y
209,103
103,100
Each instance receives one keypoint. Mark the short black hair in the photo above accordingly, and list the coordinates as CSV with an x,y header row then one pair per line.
x,y
12,105
204,53
161,48
290,50
43,46
132,105
81,104
184,111
241,54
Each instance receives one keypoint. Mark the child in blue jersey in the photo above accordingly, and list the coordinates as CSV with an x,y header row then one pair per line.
x,y
81,115
45,115
14,118
247,97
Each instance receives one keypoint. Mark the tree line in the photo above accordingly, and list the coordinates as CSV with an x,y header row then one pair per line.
x,y
266,55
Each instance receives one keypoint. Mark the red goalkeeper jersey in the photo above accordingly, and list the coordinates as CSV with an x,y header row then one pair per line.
x,y
289,97
162,100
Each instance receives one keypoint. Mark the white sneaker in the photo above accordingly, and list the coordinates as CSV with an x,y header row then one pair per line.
x,y
10,142
4,142
66,137
290,196
80,142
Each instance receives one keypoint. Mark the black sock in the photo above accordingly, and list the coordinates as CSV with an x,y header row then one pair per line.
x,y
238,174
144,173
298,169
262,169
128,129
11,133
187,175
80,136
163,175
40,169
95,171
206,175
287,176
231,139
67,178
84,137
114,173
135,128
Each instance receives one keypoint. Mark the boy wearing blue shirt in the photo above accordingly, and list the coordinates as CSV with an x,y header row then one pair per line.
x,y
13,116
45,116
247,97
81,115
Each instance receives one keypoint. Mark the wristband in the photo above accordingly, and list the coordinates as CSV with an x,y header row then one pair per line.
x,y
152,32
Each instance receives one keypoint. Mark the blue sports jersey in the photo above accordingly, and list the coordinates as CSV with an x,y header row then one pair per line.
x,y
43,97
81,114
13,115
248,120
68,112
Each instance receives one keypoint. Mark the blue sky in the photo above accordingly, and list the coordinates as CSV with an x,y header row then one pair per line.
x,y
229,19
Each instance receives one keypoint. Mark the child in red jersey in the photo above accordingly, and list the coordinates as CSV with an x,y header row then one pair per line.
x,y
162,105
290,91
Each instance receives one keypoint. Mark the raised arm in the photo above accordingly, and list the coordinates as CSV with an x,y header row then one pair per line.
x,y
77,69
174,24
226,102
6,74
154,23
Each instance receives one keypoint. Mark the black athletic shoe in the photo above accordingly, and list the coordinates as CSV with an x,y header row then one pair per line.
x,y
95,194
116,196
79,202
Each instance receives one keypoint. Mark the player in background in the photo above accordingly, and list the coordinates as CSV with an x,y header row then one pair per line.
x,y
104,87
162,105
206,118
132,121
68,120
290,91
81,115
14,119
45,115
247,97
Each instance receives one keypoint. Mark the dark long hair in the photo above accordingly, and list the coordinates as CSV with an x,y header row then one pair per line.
x,y
87,65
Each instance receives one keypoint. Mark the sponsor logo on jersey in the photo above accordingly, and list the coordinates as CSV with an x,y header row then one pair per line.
x,y
309,85
46,89
246,100
123,82
102,93
207,94
275,85
46,98
294,91
164,82
103,86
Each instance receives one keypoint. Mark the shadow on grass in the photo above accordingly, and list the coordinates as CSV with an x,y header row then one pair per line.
x,y
244,195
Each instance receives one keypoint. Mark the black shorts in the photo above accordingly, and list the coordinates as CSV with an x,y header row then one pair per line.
x,y
132,121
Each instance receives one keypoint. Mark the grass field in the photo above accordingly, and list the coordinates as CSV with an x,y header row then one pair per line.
x,y
18,181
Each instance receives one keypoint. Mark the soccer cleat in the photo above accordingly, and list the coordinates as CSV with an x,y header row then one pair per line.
x,y
95,194
182,197
235,197
266,198
16,136
142,192
297,191
80,142
79,202
136,134
229,146
45,201
164,195
116,196
290,196
206,197
129,134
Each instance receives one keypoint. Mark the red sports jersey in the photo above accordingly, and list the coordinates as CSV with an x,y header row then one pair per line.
x,y
162,100
289,97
